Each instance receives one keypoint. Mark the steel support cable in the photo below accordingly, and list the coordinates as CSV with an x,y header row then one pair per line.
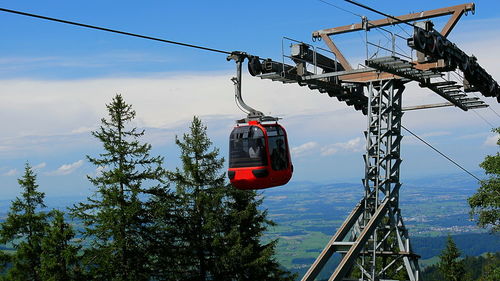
x,y
378,12
494,111
350,12
113,31
442,154
340,8
484,119
404,30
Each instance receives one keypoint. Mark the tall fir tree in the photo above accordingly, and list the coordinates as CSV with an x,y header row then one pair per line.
x,y
200,187
24,227
450,264
163,237
60,260
248,257
485,203
220,228
118,223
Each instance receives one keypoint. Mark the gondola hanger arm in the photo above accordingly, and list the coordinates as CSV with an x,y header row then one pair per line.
x,y
239,57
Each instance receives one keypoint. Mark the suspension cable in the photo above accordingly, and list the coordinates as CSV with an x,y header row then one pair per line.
x,y
340,8
484,119
113,31
378,12
442,154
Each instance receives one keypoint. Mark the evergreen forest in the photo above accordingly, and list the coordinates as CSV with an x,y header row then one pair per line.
x,y
142,222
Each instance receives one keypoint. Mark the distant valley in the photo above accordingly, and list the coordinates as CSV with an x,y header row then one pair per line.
x,y
307,215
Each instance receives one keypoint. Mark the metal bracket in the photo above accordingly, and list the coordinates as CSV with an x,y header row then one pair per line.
x,y
239,57
253,114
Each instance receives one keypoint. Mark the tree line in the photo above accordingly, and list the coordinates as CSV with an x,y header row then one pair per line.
x,y
485,210
142,222
451,267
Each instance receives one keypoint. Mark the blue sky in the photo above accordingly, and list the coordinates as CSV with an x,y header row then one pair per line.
x,y
56,79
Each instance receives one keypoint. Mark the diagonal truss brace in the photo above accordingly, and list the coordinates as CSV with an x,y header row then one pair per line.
x,y
346,263
335,243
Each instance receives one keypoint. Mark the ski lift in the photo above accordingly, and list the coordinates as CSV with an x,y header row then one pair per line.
x,y
259,156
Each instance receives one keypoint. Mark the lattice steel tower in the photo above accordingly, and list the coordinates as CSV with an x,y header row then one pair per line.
x,y
373,241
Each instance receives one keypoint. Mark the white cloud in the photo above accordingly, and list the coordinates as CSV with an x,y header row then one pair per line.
x,y
491,140
40,166
56,113
11,173
353,145
304,148
328,150
67,169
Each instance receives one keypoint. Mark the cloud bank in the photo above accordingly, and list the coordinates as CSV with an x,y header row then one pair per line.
x,y
11,173
67,169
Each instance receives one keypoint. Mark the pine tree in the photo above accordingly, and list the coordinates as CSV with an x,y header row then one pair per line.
x,y
59,258
24,227
220,228
163,239
486,202
117,221
248,258
450,264
200,187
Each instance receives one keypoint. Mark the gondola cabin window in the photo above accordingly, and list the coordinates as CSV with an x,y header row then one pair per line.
x,y
277,148
247,147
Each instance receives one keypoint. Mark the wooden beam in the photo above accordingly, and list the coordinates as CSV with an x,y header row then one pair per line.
x,y
405,18
366,77
340,57
453,21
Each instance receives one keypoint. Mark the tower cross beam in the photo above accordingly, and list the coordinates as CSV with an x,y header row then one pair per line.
x,y
457,11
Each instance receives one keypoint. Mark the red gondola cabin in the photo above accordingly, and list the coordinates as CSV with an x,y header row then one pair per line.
x,y
259,156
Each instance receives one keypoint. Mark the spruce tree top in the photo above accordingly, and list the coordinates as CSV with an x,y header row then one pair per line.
x,y
201,164
125,160
24,211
